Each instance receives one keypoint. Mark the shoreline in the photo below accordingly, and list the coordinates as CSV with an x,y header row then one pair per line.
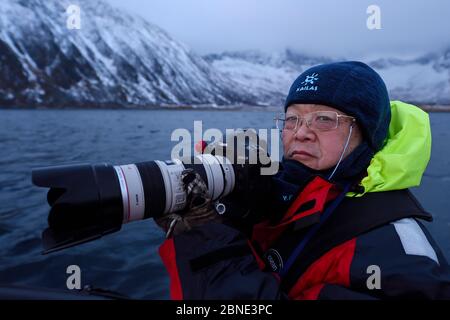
x,y
425,107
435,108
155,108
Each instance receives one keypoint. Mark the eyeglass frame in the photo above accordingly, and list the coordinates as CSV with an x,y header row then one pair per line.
x,y
308,123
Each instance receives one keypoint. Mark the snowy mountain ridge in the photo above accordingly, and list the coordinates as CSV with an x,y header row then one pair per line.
x,y
114,59
422,80
118,59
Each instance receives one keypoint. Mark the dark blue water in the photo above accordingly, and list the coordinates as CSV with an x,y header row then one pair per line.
x,y
127,261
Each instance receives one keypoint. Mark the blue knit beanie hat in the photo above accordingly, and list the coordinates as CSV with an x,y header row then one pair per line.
x,y
351,87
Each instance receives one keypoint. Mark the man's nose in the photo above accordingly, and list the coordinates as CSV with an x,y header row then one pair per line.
x,y
303,132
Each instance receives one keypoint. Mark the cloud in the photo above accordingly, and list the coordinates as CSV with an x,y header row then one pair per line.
x,y
326,27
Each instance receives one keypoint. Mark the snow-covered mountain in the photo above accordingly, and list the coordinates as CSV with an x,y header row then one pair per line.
x,y
119,59
423,80
115,59
266,76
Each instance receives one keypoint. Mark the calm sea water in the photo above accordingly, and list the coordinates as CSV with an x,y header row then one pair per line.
x,y
127,261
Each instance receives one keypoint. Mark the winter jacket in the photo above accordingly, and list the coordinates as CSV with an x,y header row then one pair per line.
x,y
329,244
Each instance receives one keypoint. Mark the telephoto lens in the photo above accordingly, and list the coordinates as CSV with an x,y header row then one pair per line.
x,y
88,201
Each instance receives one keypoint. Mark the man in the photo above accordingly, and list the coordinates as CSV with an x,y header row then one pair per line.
x,y
342,223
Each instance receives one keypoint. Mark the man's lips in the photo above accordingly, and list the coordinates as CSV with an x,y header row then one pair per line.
x,y
301,153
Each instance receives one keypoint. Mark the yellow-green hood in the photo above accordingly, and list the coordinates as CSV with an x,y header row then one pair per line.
x,y
402,161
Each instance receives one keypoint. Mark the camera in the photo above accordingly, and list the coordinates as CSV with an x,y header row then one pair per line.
x,y
89,201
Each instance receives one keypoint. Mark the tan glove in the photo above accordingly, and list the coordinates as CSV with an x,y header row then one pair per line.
x,y
199,207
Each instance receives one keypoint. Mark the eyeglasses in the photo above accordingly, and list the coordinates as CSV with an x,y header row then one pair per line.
x,y
319,120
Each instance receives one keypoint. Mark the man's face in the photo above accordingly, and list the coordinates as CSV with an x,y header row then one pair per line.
x,y
319,150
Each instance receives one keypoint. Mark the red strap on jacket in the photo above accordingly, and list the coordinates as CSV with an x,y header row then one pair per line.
x,y
168,257
318,190
332,268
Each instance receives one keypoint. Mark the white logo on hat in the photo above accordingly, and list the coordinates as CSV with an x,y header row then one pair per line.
x,y
308,83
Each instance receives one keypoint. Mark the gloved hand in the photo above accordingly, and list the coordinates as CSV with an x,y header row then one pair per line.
x,y
199,207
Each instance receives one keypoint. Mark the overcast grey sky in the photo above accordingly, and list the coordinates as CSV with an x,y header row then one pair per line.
x,y
325,27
